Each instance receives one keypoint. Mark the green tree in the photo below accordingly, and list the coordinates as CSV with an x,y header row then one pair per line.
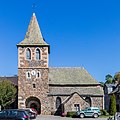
x,y
112,109
117,77
109,79
7,93
102,84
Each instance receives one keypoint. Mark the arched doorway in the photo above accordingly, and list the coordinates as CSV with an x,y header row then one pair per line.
x,y
33,102
58,102
58,106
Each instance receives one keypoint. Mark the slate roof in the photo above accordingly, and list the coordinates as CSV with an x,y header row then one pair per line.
x,y
33,35
70,75
68,80
13,79
93,91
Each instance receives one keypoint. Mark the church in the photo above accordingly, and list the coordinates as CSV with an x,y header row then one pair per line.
x,y
52,90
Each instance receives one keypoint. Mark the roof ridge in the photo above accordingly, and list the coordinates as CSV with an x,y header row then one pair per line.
x,y
68,67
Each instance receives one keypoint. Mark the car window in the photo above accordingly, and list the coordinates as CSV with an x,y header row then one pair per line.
x,y
20,113
96,109
3,113
12,113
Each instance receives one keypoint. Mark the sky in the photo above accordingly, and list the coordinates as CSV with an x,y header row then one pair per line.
x,y
81,33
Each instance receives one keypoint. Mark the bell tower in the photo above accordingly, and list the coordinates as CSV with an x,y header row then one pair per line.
x,y
33,83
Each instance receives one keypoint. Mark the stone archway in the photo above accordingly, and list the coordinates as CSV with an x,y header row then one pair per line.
x,y
33,102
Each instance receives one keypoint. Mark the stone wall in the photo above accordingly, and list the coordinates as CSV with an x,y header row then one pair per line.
x,y
33,63
70,101
98,102
33,86
52,100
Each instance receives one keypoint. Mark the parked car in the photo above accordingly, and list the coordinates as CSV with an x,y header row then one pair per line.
x,y
32,114
35,111
89,112
14,114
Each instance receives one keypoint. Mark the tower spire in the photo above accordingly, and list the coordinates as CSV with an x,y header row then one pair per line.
x,y
33,35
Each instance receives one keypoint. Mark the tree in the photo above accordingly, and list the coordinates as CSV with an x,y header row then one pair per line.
x,y
109,79
117,77
102,84
112,109
7,93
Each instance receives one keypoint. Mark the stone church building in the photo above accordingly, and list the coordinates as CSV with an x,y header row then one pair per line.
x,y
52,90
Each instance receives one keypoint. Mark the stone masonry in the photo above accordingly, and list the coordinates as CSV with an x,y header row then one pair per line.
x,y
25,88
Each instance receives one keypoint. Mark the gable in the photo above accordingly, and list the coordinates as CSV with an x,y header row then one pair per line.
x,y
75,99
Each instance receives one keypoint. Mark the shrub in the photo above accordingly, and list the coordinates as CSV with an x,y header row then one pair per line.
x,y
104,112
71,114
112,108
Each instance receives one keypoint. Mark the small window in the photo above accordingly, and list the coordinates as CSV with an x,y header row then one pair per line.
x,y
77,107
37,54
38,75
34,86
88,109
28,75
28,54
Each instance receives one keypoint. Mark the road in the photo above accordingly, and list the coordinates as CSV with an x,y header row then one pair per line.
x,y
51,117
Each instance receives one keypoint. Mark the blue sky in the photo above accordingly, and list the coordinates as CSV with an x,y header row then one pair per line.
x,y
81,33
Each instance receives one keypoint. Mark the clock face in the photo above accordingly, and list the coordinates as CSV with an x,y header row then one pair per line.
x,y
33,72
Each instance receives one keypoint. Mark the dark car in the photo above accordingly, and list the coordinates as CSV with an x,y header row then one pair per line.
x,y
14,114
34,110
31,113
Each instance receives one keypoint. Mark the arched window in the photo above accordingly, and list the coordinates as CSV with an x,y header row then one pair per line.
x,y
58,102
28,54
28,75
88,100
38,74
37,54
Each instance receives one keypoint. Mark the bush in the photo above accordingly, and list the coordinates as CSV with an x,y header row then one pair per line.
x,y
104,112
71,114
112,108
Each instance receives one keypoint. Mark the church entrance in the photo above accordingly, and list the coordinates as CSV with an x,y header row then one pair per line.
x,y
33,102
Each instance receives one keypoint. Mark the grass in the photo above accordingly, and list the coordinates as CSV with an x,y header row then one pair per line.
x,y
105,116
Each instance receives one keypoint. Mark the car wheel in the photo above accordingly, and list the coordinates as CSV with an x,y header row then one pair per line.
x,y
95,115
82,115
